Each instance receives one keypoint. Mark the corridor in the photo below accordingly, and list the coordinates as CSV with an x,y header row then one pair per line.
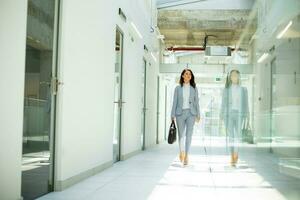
x,y
157,174
90,91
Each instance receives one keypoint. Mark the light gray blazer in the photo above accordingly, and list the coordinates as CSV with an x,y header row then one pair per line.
x,y
226,106
178,102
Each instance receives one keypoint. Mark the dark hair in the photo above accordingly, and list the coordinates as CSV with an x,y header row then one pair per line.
x,y
192,81
228,79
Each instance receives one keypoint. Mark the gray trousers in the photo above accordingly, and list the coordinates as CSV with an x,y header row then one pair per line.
x,y
234,129
185,124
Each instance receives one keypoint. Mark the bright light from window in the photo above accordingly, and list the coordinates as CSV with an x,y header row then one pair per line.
x,y
136,30
154,58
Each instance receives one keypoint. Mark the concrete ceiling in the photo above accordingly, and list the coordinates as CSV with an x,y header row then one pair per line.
x,y
188,27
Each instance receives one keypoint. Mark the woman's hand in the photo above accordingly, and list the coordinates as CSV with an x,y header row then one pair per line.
x,y
198,119
172,118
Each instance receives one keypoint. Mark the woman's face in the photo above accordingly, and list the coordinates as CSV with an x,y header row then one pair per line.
x,y
234,77
187,76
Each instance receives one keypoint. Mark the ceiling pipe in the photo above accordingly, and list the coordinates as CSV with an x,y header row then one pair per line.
x,y
185,49
189,49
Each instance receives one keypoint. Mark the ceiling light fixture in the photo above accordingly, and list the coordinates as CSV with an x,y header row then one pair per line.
x,y
262,58
284,30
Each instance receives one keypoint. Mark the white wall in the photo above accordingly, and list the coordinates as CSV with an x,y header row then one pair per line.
x,y
12,73
84,129
162,116
132,90
85,101
138,13
151,101
86,67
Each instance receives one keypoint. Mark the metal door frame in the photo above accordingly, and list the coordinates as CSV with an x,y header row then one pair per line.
x,y
144,104
273,60
157,112
119,30
55,83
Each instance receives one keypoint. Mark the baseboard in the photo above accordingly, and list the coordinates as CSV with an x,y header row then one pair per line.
x,y
129,155
62,185
162,142
287,152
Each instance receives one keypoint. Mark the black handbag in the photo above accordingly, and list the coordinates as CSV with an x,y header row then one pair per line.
x,y
247,135
172,133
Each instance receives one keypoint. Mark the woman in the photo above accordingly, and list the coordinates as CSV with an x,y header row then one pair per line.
x,y
186,111
234,110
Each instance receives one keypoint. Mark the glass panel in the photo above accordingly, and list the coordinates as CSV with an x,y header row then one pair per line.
x,y
276,50
36,162
262,127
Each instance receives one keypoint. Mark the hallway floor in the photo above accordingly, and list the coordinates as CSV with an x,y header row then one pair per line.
x,y
158,174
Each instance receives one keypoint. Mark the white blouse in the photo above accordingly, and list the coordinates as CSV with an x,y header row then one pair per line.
x,y
236,97
186,96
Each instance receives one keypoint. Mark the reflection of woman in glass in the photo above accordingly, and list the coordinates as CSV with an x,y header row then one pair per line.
x,y
234,110
186,111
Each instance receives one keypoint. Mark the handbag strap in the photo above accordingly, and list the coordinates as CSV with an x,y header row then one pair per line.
x,y
173,124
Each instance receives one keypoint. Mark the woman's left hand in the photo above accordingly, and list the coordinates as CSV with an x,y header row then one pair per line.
x,y
197,119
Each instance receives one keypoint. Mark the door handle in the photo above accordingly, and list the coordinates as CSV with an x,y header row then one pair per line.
x,y
120,102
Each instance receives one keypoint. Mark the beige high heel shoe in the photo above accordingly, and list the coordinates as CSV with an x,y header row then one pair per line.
x,y
234,159
181,156
232,162
186,160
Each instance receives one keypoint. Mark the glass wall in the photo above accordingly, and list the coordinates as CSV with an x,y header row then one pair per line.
x,y
275,50
267,123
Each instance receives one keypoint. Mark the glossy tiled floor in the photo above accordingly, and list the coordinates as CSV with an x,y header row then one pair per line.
x,y
157,174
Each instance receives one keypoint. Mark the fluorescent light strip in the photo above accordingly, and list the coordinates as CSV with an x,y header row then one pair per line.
x,y
136,30
263,57
284,30
153,57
